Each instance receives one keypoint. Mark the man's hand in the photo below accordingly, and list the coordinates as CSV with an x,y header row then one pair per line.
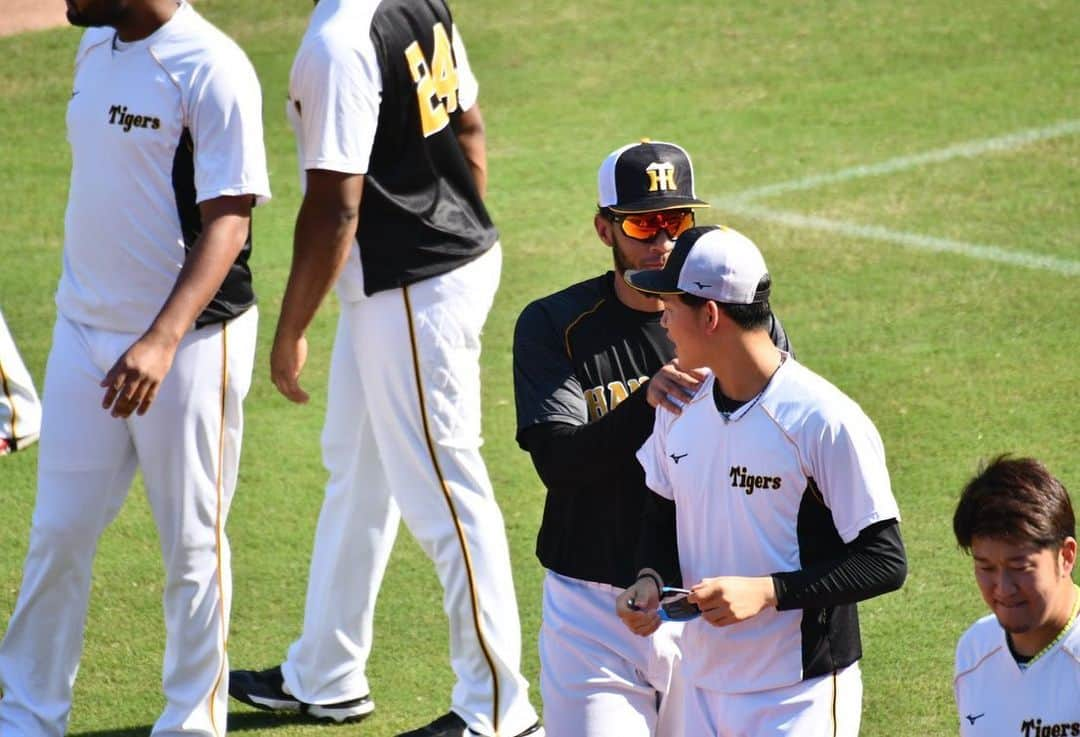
x,y
671,387
287,359
132,383
638,606
729,599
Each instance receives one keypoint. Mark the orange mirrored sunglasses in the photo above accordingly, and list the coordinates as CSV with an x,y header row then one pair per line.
x,y
645,227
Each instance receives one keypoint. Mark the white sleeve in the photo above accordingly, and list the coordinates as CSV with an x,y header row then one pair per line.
x,y
225,120
653,456
336,91
468,87
847,461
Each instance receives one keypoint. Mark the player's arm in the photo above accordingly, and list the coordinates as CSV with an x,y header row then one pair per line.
x,y
874,563
576,454
133,381
325,231
469,128
469,123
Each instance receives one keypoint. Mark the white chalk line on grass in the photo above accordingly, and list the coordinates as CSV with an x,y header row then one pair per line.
x,y
911,240
742,203
970,149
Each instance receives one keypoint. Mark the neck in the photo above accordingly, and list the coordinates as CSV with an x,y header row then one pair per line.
x,y
634,299
145,18
1033,642
744,363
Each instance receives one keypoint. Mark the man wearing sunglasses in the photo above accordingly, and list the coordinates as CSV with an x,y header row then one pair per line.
x,y
580,354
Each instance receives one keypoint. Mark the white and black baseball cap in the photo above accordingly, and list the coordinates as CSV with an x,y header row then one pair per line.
x,y
646,177
710,261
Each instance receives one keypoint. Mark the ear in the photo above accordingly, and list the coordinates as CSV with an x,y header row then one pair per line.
x,y
713,316
1068,555
605,229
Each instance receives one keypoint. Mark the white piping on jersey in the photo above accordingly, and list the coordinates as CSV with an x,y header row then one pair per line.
x,y
176,84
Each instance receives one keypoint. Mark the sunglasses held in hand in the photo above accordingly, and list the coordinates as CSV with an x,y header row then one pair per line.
x,y
673,605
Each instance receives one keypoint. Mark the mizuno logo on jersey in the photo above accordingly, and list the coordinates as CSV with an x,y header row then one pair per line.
x,y
119,115
1036,728
741,479
602,399
678,457
661,176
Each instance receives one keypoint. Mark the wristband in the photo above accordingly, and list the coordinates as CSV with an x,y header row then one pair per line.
x,y
656,580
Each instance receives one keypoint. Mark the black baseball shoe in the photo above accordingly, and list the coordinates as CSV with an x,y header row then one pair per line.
x,y
451,725
265,689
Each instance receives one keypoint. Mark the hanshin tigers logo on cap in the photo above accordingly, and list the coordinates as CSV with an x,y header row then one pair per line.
x,y
661,176
647,177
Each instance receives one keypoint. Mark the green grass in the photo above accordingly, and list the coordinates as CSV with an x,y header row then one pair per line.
x,y
955,359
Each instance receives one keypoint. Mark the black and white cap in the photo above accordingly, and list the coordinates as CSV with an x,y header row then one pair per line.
x,y
647,176
713,262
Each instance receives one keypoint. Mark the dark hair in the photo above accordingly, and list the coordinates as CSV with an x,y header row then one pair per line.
x,y
755,316
1015,499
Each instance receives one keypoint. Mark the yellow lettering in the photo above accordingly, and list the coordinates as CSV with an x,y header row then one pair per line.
x,y
436,83
433,116
618,393
596,403
443,69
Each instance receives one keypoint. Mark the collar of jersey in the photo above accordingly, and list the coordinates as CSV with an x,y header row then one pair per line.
x,y
747,406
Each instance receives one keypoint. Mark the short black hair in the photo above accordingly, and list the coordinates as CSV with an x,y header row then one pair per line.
x,y
754,316
1014,499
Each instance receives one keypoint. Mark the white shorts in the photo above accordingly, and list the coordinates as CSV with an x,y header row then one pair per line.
x,y
599,679
826,706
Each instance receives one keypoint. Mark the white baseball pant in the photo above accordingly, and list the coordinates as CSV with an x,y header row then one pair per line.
x,y
598,678
20,409
826,706
402,440
188,447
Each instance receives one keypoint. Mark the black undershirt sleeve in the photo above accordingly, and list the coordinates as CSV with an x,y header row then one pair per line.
x,y
656,546
875,563
574,455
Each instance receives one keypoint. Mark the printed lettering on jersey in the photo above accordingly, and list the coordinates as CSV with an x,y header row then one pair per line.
x,y
602,399
661,176
119,115
1037,728
436,83
749,482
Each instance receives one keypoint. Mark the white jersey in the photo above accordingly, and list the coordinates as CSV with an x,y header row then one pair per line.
x,y
996,698
784,481
337,76
155,127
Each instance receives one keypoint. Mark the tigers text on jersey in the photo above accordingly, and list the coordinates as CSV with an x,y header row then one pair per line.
x,y
780,484
996,698
156,126
377,88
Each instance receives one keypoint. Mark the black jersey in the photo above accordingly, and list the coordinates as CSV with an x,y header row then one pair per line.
x,y
396,74
579,357
421,214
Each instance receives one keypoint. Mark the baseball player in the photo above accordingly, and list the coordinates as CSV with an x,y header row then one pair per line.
x,y
1018,668
383,103
151,354
20,409
580,356
784,510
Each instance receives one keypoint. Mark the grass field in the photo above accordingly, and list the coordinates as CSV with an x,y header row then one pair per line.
x,y
910,172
